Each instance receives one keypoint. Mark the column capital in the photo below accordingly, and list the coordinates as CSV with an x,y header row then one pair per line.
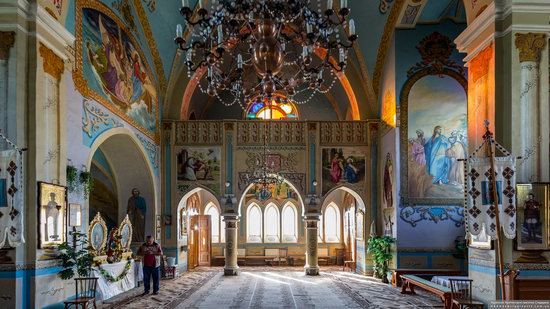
x,y
7,40
530,46
52,63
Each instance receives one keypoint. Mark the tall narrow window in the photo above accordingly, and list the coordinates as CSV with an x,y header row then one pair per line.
x,y
254,224
290,224
212,210
320,229
271,223
332,224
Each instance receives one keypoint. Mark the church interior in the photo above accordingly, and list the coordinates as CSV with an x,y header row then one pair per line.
x,y
274,154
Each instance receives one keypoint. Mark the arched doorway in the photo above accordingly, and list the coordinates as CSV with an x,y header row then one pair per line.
x,y
341,227
199,228
118,166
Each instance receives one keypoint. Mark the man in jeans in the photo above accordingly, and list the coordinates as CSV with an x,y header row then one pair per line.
x,y
152,253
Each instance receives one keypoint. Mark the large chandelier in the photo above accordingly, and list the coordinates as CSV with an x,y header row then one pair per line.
x,y
250,49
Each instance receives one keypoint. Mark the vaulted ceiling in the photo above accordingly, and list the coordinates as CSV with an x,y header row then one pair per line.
x,y
154,22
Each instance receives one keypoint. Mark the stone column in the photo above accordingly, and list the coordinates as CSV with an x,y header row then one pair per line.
x,y
312,263
231,268
530,46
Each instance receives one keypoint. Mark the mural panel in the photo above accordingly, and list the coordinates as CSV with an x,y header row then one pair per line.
x,y
199,165
437,138
112,69
342,166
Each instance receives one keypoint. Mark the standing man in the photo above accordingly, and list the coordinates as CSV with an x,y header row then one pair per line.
x,y
531,215
152,253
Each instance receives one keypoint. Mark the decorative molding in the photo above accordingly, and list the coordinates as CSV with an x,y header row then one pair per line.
x,y
94,118
385,43
123,7
199,133
415,214
436,50
281,132
151,5
7,40
530,46
344,132
480,64
144,22
52,63
54,29
152,151
410,14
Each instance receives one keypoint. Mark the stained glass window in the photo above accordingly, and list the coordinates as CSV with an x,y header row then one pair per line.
x,y
280,109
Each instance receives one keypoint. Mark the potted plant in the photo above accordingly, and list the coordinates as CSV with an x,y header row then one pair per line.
x,y
72,177
379,247
75,257
87,182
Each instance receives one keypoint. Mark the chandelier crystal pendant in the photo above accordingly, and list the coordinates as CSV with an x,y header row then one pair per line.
x,y
256,48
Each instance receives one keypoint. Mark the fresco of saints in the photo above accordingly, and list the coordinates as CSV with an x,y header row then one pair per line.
x,y
336,168
531,218
137,209
417,147
388,185
456,152
437,163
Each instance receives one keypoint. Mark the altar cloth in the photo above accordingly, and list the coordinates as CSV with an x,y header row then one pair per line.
x,y
106,289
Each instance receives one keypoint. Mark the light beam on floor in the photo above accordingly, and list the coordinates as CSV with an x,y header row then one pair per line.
x,y
288,278
266,278
359,280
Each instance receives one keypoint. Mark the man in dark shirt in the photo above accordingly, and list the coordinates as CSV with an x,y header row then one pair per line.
x,y
531,215
152,253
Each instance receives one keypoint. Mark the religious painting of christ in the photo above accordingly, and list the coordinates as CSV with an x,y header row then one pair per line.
x,y
199,165
112,69
342,166
437,141
388,182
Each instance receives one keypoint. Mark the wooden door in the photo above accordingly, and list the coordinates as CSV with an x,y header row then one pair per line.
x,y
193,244
204,240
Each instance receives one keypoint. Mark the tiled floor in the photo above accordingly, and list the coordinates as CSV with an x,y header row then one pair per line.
x,y
275,287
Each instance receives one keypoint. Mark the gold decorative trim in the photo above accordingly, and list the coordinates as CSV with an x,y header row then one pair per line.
x,y
52,63
530,45
404,125
126,222
7,39
81,83
144,22
97,220
385,42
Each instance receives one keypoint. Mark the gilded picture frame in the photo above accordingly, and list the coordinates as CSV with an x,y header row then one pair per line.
x,y
81,82
97,235
51,214
126,230
532,216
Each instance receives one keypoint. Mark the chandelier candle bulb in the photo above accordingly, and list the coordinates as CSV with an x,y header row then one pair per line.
x,y
351,27
329,4
185,3
309,28
342,55
220,34
179,31
239,61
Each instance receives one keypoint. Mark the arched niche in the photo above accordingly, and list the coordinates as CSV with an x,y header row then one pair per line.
x,y
204,197
119,154
433,108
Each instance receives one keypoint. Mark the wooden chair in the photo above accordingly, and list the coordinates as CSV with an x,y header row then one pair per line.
x,y
461,294
85,293
283,257
348,262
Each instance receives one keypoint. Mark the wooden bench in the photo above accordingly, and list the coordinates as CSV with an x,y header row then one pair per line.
x,y
322,255
397,273
410,281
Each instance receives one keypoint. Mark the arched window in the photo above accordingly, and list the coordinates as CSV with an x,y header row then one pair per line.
x,y
254,224
320,230
290,223
280,109
212,210
271,223
332,223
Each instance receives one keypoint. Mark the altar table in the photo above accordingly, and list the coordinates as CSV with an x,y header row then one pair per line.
x,y
106,289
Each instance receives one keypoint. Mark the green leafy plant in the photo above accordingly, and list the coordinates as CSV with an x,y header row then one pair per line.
x,y
75,257
87,182
379,247
72,177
